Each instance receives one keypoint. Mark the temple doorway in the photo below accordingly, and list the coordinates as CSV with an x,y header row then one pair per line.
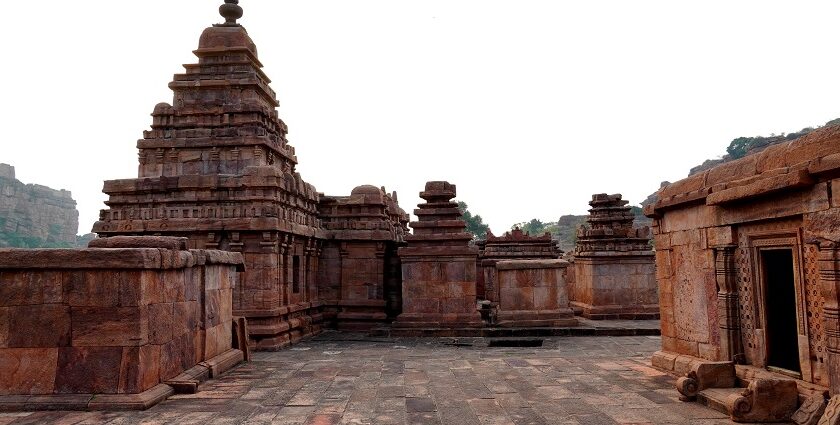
x,y
780,310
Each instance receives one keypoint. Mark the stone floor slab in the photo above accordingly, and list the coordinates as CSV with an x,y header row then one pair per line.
x,y
341,379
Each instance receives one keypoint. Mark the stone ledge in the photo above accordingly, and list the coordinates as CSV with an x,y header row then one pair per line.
x,y
223,362
512,332
531,264
86,402
171,243
186,382
114,258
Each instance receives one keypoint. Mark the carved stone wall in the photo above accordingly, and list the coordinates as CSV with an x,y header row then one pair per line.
x,y
711,230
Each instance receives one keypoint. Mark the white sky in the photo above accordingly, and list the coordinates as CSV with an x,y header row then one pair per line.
x,y
529,106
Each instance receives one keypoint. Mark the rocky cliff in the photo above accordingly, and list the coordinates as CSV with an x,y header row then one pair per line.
x,y
34,216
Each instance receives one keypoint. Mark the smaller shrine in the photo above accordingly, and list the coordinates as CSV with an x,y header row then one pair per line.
x,y
359,275
615,275
439,265
513,245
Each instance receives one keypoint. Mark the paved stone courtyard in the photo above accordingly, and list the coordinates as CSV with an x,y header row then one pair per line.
x,y
340,378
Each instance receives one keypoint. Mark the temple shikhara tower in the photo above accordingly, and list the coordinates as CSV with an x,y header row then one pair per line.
x,y
614,264
217,168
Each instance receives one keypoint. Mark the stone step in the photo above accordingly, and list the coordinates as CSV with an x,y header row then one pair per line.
x,y
764,400
715,398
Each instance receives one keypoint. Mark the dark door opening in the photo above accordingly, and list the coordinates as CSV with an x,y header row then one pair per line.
x,y
780,309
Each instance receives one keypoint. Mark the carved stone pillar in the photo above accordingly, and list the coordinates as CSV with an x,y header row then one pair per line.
x,y
286,267
829,266
281,272
726,276
311,270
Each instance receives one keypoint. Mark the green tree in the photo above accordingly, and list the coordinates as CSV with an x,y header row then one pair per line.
x,y
475,224
738,147
535,227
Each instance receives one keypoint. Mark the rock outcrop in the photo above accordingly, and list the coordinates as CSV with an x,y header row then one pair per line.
x,y
35,216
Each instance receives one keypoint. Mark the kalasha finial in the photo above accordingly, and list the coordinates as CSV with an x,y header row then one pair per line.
x,y
231,11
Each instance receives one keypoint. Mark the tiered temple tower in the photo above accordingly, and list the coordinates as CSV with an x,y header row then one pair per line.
x,y
614,264
439,265
217,168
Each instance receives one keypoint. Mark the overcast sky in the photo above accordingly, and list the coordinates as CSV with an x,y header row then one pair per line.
x,y
529,106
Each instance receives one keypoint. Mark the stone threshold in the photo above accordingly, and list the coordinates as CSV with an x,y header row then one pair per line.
x,y
186,382
681,364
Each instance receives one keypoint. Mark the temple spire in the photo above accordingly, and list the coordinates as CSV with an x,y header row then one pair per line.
x,y
231,11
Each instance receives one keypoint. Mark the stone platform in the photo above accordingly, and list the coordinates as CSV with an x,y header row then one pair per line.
x,y
340,378
584,327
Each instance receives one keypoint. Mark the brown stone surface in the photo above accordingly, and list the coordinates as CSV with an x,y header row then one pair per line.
x,y
359,272
786,167
217,169
110,330
831,416
712,263
438,265
533,293
88,370
614,265
585,380
40,326
178,244
811,411
764,400
28,370
513,245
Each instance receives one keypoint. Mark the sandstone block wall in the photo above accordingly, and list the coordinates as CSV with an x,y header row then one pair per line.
x,y
513,245
616,287
110,320
358,281
438,266
533,293
614,274
710,232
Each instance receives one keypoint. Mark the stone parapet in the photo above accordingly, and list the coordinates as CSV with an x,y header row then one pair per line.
x,y
533,293
110,326
513,245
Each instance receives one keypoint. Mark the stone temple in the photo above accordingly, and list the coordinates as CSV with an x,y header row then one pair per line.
x,y
220,248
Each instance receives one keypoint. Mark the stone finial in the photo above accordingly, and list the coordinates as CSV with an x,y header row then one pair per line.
x,y
231,11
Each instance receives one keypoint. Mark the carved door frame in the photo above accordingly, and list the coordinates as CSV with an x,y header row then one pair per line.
x,y
774,240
